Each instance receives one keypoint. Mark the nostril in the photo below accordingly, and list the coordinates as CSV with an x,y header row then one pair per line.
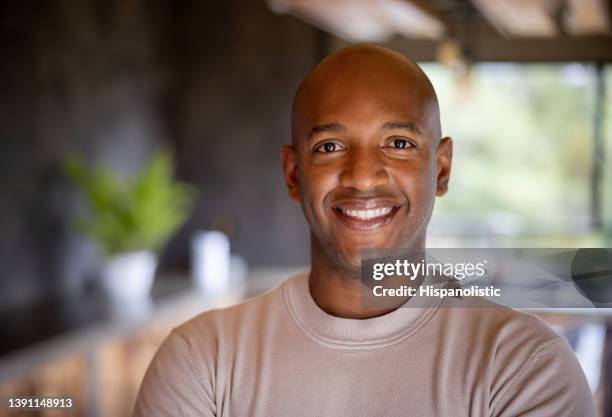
x,y
363,179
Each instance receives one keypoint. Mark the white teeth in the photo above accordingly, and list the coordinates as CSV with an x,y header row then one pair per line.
x,y
368,214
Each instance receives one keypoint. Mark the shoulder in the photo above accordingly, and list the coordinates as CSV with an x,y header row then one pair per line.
x,y
541,374
504,330
530,366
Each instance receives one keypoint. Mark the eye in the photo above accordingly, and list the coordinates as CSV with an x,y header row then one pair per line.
x,y
399,143
329,147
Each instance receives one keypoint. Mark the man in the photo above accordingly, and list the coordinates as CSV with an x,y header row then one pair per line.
x,y
366,163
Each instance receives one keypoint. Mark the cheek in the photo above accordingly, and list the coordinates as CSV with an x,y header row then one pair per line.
x,y
316,183
417,182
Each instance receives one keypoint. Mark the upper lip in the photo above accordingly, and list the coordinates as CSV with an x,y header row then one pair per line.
x,y
365,204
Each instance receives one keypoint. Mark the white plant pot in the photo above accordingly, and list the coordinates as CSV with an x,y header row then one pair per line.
x,y
129,276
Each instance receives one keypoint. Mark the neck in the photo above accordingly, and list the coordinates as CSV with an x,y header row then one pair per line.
x,y
338,291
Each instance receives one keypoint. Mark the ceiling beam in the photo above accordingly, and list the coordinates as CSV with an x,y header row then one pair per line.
x,y
364,20
428,8
496,49
587,17
412,19
519,18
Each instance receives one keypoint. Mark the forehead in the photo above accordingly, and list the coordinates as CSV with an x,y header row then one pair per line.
x,y
361,102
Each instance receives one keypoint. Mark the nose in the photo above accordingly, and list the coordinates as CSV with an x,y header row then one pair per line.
x,y
364,171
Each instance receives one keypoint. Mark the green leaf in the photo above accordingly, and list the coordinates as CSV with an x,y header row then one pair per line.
x,y
129,215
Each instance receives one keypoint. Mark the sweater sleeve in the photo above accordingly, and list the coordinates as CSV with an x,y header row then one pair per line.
x,y
551,383
173,385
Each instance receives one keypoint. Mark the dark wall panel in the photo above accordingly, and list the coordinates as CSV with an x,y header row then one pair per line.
x,y
114,78
238,67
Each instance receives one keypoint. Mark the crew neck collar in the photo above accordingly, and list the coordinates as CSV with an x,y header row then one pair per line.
x,y
338,332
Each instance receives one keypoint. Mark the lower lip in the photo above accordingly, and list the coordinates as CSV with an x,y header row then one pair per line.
x,y
366,225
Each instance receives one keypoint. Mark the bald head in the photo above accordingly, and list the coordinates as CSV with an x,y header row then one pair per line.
x,y
360,77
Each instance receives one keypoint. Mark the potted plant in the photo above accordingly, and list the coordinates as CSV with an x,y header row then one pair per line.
x,y
131,220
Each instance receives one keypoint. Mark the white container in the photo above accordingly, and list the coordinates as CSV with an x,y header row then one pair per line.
x,y
129,276
210,262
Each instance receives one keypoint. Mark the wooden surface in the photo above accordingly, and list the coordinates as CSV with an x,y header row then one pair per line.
x,y
103,382
68,375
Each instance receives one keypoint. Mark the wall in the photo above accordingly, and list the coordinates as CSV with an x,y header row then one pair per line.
x,y
112,79
238,67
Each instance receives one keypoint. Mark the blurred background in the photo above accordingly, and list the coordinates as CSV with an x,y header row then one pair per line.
x,y
118,115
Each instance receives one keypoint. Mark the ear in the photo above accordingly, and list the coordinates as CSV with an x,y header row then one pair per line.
x,y
444,155
289,158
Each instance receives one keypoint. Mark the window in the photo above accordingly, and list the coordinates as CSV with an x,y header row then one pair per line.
x,y
523,156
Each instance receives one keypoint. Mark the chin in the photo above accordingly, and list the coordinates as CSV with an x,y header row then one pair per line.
x,y
342,258
350,259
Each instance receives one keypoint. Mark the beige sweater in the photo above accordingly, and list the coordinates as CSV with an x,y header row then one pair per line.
x,y
279,354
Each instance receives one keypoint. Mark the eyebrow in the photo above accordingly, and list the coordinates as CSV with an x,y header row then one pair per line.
x,y
402,125
328,127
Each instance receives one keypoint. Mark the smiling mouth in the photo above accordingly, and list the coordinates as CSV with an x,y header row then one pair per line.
x,y
365,219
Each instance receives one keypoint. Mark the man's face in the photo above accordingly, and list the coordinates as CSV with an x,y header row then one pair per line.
x,y
366,167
